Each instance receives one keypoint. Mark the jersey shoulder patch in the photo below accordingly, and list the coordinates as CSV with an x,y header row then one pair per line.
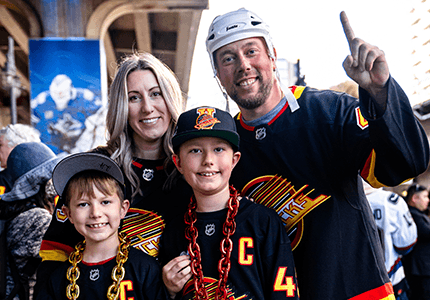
x,y
393,198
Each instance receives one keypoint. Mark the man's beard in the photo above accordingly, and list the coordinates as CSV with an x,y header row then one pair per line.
x,y
254,101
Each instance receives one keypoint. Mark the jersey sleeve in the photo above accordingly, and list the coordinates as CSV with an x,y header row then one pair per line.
x,y
400,148
153,287
54,284
60,238
279,262
405,234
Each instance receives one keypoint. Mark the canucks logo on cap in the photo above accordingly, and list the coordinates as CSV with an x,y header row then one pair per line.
x,y
206,119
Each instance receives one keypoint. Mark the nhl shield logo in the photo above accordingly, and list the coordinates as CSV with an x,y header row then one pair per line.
x,y
210,229
148,174
94,274
260,133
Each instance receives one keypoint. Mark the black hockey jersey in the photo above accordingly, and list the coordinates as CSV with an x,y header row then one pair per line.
x,y
142,280
262,265
305,165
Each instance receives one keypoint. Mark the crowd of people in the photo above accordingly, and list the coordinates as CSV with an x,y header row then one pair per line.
x,y
269,204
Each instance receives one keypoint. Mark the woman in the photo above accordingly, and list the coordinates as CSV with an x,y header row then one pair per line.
x,y
145,101
26,211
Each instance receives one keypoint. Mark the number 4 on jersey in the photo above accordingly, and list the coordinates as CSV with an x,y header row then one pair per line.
x,y
286,285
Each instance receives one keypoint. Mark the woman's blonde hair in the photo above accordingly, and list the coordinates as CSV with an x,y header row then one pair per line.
x,y
120,140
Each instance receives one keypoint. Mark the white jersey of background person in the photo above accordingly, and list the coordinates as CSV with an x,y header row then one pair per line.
x,y
398,229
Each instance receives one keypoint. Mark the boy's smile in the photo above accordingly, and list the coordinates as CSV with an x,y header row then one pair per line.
x,y
98,218
206,163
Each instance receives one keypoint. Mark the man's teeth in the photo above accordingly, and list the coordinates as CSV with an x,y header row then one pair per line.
x,y
247,82
97,225
148,121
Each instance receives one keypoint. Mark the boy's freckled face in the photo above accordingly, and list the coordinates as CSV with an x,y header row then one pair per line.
x,y
206,164
98,218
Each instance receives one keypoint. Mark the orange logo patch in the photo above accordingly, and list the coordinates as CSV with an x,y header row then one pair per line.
x,y
61,217
206,119
361,121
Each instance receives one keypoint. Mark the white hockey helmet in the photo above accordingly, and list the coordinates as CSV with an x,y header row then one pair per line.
x,y
61,91
234,26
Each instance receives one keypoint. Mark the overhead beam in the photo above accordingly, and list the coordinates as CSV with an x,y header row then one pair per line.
x,y
143,31
14,29
187,33
109,11
110,55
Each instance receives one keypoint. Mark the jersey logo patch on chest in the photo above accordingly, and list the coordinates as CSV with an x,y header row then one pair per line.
x,y
291,204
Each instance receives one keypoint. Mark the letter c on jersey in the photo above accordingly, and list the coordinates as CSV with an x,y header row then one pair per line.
x,y
245,259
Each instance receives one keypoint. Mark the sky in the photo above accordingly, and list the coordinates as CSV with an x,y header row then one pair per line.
x,y
310,30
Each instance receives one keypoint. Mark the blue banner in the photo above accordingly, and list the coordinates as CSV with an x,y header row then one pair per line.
x,y
68,93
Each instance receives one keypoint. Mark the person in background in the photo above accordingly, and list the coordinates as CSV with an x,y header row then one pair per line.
x,y
398,233
92,188
145,101
11,136
304,150
417,262
27,214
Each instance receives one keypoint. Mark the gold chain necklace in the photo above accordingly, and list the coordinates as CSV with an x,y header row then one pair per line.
x,y
226,246
118,271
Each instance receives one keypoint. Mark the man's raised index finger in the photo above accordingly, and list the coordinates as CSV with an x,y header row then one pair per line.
x,y
346,27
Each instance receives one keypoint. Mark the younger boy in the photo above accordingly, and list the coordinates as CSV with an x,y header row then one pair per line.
x,y
238,249
103,265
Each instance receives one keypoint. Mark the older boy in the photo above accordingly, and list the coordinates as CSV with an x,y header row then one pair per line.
x,y
227,237
91,186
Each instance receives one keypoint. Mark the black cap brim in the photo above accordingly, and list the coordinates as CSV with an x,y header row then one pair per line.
x,y
230,136
205,121
76,163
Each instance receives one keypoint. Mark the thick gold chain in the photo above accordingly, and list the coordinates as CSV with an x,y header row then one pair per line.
x,y
226,246
73,272
118,271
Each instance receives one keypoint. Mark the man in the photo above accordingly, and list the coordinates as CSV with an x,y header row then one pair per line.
x,y
398,233
417,262
11,136
303,150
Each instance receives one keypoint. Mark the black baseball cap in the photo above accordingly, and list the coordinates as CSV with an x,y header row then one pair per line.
x,y
205,121
79,162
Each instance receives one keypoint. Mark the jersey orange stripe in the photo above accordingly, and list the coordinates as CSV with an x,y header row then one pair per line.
x,y
384,292
368,171
54,251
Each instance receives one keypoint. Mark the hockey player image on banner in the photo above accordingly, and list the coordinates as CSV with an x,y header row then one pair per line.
x,y
67,106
